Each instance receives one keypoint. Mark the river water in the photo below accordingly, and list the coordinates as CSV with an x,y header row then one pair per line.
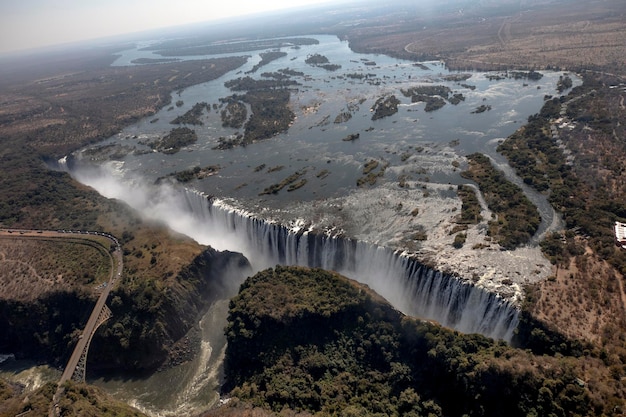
x,y
425,146
314,142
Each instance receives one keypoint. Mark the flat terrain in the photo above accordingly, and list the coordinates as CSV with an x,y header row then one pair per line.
x,y
530,34
38,263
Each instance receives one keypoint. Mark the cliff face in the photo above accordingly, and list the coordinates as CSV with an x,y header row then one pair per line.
x,y
313,341
46,328
148,318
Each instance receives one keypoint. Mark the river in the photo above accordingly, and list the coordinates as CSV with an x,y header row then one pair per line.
x,y
427,149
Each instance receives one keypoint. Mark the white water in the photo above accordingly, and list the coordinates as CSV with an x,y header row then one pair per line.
x,y
409,286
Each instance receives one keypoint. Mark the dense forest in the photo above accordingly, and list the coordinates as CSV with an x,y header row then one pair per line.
x,y
313,341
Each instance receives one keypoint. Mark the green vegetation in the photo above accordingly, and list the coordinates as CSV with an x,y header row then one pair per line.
x,y
98,101
195,173
370,166
322,174
587,193
385,106
356,75
290,180
343,117
266,58
459,240
455,77
434,96
299,184
525,75
271,114
516,218
150,315
312,341
269,101
250,84
369,176
177,138
321,61
455,99
234,115
291,73
192,116
316,59
564,83
534,154
470,206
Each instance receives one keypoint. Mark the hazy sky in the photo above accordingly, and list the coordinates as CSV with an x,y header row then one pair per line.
x,y
28,24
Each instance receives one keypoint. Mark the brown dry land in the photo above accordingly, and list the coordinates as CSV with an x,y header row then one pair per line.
x,y
530,34
30,267
64,110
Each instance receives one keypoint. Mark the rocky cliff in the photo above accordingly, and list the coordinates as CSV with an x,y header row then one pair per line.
x,y
148,317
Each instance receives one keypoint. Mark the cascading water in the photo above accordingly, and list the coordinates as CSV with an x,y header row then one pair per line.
x,y
411,287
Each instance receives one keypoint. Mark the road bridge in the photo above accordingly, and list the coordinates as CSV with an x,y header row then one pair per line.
x,y
76,366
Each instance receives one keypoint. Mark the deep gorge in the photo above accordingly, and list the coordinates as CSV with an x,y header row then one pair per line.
x,y
411,287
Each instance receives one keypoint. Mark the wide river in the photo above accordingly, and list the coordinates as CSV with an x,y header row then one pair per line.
x,y
414,144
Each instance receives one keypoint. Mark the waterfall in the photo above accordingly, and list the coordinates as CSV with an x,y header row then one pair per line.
x,y
411,287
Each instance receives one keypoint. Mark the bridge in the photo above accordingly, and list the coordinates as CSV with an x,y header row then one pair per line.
x,y
76,366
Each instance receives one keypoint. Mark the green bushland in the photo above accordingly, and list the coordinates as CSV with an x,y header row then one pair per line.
x,y
434,96
587,192
517,219
149,316
234,114
45,329
176,139
369,176
481,109
310,340
192,116
316,59
470,206
194,173
459,240
269,102
270,116
290,180
250,84
266,58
